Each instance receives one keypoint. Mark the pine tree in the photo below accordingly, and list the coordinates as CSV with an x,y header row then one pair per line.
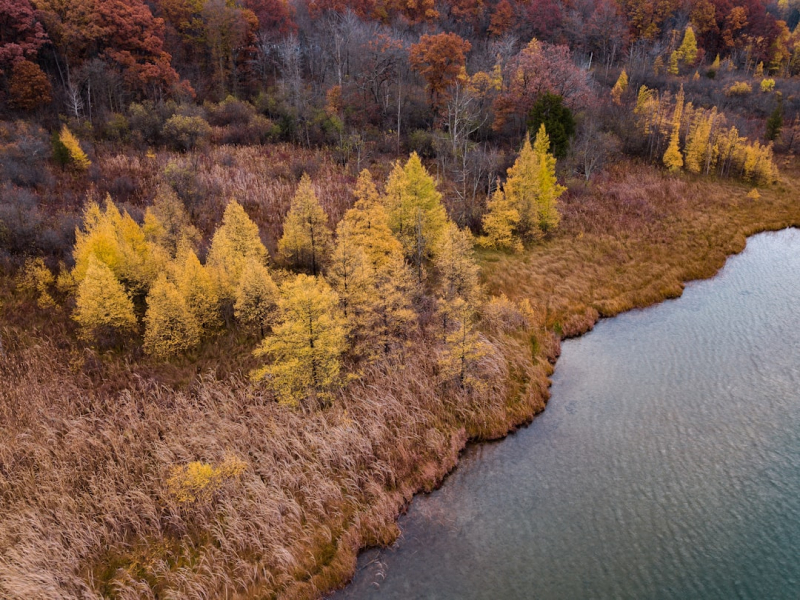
x,y
416,214
306,241
500,223
673,159
234,243
256,297
170,327
306,345
102,305
369,223
620,87
688,49
77,157
197,287
549,191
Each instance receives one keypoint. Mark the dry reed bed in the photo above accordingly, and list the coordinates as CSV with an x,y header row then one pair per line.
x,y
84,454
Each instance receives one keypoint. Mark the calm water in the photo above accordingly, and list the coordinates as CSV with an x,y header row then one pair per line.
x,y
667,464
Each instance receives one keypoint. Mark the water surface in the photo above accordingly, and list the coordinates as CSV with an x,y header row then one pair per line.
x,y
667,463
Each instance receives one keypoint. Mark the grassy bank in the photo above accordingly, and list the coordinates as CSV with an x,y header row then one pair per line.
x,y
86,441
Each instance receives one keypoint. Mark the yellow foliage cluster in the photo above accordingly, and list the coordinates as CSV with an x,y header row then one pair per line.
x,y
37,279
199,481
767,85
77,156
739,88
527,206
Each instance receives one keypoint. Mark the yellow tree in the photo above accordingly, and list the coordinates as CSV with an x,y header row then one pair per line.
x,y
306,241
391,317
673,63
548,188
77,156
197,287
673,159
166,222
416,214
522,189
620,87
350,274
458,272
170,327
500,223
256,297
234,243
697,142
463,350
368,223
688,48
102,305
306,345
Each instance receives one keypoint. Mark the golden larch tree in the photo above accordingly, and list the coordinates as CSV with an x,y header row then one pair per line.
x,y
620,87
416,213
167,223
389,322
522,190
306,345
548,188
198,287
673,159
464,349
306,241
170,327
500,224
688,48
102,305
77,157
457,270
256,297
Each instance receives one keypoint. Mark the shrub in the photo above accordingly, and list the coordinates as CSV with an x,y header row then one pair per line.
x,y
186,133
767,85
230,112
423,143
739,88
117,128
146,122
199,481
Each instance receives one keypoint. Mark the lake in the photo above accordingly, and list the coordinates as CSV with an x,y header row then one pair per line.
x,y
667,463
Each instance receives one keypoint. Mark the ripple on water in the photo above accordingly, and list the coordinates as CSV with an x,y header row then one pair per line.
x,y
666,466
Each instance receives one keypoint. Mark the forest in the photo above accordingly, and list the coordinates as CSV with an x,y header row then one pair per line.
x,y
266,266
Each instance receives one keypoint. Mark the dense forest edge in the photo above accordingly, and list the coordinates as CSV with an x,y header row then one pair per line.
x,y
266,267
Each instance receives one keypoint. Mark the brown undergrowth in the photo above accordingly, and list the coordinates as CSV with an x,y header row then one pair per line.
x,y
87,442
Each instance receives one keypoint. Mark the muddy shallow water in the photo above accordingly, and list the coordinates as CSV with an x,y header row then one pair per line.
x,y
667,463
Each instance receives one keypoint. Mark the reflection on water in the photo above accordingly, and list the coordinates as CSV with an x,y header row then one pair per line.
x,y
667,464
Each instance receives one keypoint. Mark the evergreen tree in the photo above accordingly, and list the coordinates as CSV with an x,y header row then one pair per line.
x,y
102,305
234,243
306,345
306,241
170,327
256,297
557,118
416,214
775,121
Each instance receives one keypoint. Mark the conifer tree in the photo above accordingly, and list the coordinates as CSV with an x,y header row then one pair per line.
x,y
102,305
390,317
500,223
167,223
306,345
715,64
688,48
170,327
620,87
77,157
697,143
458,272
256,297
548,188
416,214
306,241
234,242
673,159
463,349
521,191
673,63
197,287
369,223
658,65
350,273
